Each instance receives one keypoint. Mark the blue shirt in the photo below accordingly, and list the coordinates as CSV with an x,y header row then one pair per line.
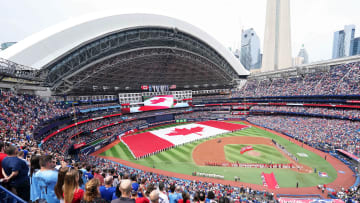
x,y
46,181
25,153
10,164
174,197
107,193
135,186
88,176
34,192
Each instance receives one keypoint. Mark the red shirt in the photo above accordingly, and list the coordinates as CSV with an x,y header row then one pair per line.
x,y
78,195
142,200
99,177
182,201
2,156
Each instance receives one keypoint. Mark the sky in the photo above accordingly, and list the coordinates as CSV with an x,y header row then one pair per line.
x,y
313,22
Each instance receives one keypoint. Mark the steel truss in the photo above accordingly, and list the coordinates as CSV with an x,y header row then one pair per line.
x,y
157,51
14,70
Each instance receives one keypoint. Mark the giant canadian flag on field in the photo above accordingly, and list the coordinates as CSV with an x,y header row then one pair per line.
x,y
154,141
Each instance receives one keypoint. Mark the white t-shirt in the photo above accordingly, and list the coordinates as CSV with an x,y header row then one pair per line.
x,y
163,198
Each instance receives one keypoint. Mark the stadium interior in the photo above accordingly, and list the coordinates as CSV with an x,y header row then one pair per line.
x,y
109,88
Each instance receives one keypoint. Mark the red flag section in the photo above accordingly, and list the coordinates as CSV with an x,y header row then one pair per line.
x,y
223,125
145,143
308,200
245,149
76,146
269,180
148,143
150,108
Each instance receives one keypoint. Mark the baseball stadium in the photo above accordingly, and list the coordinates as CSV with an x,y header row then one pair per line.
x,y
158,101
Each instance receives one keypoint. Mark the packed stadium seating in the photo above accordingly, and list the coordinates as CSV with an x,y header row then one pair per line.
x,y
317,132
344,113
22,115
13,136
338,80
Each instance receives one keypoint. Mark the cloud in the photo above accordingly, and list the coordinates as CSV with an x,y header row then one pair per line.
x,y
312,22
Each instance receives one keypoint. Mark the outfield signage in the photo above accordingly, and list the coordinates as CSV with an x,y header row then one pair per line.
x,y
349,155
308,200
249,165
144,126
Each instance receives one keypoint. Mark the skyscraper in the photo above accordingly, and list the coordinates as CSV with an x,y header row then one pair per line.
x,y
355,46
237,53
6,45
277,39
342,41
303,53
250,49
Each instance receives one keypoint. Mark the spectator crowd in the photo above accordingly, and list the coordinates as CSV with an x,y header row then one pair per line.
x,y
342,79
345,113
318,132
43,173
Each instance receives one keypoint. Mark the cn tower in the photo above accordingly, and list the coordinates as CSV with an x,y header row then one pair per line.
x,y
277,37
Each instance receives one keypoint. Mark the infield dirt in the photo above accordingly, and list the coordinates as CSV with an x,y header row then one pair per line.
x,y
213,151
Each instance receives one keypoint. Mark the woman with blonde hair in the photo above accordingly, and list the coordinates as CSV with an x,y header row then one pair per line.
x,y
92,193
72,192
60,182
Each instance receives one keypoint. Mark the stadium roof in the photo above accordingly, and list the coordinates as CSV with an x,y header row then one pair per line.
x,y
110,53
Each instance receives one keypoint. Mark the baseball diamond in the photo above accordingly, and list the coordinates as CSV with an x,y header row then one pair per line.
x,y
182,161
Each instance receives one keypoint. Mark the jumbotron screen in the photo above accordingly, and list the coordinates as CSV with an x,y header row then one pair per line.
x,y
156,103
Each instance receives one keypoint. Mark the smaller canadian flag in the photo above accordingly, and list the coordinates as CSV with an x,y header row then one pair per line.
x,y
145,87
172,87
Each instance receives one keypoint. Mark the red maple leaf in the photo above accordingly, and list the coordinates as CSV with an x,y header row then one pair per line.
x,y
156,101
185,131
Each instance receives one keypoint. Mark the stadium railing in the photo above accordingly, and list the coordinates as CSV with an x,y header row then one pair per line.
x,y
357,182
8,197
313,196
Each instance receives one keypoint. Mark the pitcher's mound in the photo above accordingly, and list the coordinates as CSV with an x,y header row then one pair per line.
x,y
253,153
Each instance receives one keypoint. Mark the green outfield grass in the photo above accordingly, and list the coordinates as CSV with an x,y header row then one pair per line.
x,y
180,160
95,142
268,154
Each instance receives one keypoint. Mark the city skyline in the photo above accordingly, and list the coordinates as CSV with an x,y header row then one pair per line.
x,y
342,42
250,56
312,22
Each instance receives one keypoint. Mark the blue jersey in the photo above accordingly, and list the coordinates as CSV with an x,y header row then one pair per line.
x,y
88,176
107,193
46,181
34,191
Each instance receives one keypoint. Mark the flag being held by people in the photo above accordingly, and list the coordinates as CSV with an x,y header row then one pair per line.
x,y
168,137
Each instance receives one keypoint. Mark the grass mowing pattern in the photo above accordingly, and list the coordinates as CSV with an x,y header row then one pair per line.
x,y
268,154
95,142
180,160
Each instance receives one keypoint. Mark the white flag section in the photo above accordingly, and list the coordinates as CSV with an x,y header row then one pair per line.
x,y
163,100
187,133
